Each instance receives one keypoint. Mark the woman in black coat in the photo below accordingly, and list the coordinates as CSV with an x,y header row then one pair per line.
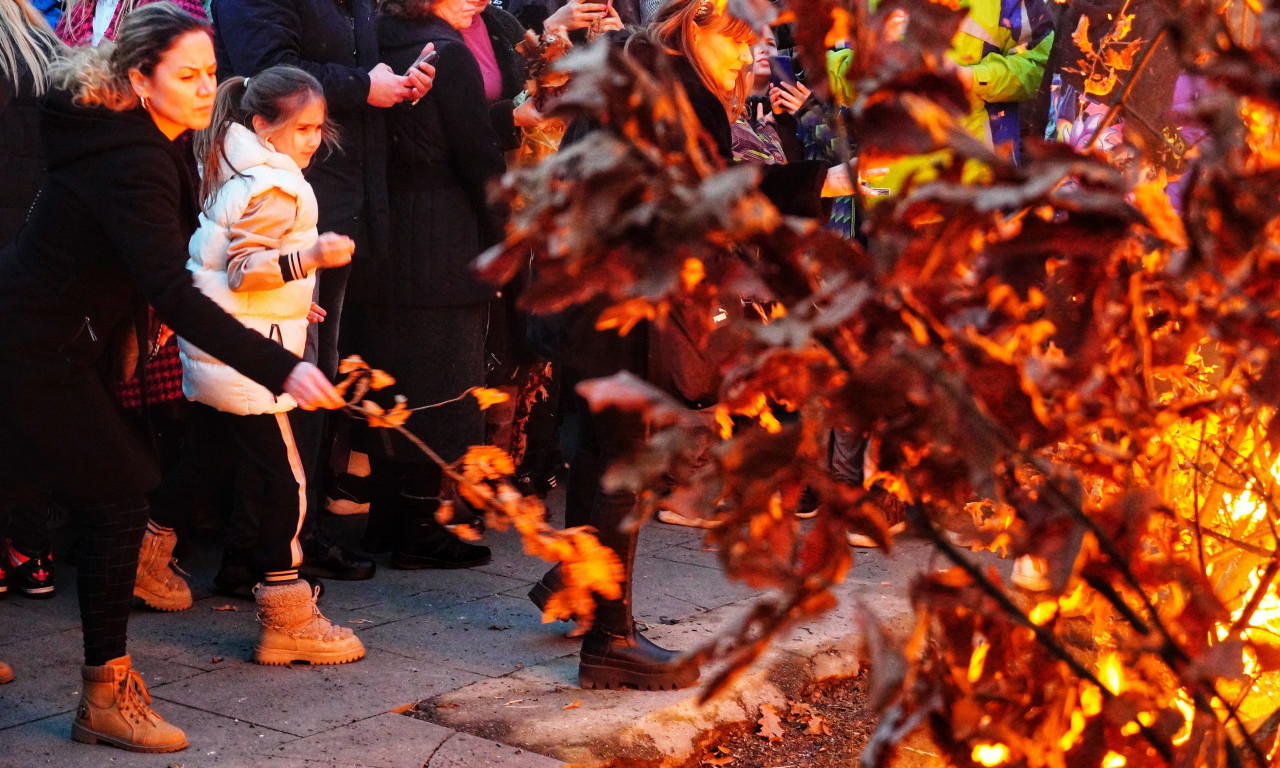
x,y
419,312
108,235
708,50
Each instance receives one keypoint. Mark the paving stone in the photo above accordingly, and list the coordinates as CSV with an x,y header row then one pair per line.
x,y
386,741
303,700
491,636
467,751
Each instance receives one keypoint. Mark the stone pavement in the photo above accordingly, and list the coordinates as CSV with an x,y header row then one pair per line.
x,y
467,641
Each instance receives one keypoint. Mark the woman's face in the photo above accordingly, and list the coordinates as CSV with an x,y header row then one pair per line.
x,y
179,92
765,47
459,13
300,137
722,57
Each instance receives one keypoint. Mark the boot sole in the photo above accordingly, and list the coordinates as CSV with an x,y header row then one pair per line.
x,y
593,676
274,657
86,736
155,602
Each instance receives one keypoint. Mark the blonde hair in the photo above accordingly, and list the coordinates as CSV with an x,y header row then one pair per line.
x,y
26,40
673,26
100,76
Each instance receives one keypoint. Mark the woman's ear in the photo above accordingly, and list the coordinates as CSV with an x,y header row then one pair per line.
x,y
141,84
260,125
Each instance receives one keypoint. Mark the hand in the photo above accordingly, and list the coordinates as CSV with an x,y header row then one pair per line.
x,y
527,115
837,183
311,388
328,251
422,76
386,88
612,22
788,97
576,15
965,76
762,115
316,314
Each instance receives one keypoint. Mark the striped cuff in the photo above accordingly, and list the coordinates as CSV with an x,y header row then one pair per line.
x,y
291,266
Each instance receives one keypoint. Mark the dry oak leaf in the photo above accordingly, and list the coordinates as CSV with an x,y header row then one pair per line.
x,y
770,724
488,398
718,756
377,417
487,462
352,364
818,726
573,704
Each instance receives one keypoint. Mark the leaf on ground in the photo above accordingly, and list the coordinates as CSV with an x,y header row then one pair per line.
x,y
225,608
718,756
818,726
770,724
573,704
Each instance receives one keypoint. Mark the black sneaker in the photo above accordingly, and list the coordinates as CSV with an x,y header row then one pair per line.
x,y
34,576
324,558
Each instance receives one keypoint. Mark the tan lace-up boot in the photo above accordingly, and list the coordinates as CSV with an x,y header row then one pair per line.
x,y
293,629
156,583
116,708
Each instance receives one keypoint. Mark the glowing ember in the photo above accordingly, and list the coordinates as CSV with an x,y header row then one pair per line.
x,y
990,754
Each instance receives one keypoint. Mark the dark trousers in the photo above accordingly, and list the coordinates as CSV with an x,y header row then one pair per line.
x,y
111,535
271,490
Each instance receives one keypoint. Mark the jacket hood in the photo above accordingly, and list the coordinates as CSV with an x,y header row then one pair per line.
x,y
244,151
70,132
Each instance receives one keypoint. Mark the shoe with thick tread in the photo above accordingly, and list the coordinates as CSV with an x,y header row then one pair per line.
x,y
157,584
631,660
115,709
294,629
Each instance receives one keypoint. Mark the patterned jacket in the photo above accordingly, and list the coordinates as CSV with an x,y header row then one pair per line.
x,y
76,26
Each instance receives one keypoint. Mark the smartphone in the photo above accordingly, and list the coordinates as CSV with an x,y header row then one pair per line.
x,y
781,70
427,58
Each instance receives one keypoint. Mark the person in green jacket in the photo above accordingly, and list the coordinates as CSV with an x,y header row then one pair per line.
x,y
1000,51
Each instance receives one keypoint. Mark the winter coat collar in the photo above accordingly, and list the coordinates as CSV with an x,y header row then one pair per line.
x,y
71,132
244,151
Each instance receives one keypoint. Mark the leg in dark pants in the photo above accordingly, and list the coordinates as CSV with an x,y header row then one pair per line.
x,y
112,533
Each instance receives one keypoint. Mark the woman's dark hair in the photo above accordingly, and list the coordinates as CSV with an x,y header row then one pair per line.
x,y
100,76
276,95
407,9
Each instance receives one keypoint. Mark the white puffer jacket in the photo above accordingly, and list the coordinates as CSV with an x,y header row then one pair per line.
x,y
279,314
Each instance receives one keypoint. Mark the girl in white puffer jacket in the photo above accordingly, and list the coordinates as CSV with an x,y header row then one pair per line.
x,y
255,253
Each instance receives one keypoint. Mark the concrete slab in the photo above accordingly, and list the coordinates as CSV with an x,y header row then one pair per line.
x,y
304,700
466,751
385,741
492,636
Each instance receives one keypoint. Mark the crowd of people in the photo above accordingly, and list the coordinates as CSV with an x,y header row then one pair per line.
x,y
204,207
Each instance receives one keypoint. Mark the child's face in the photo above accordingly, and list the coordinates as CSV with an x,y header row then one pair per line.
x,y
300,137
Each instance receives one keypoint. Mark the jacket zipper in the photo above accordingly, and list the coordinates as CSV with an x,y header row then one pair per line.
x,y
88,326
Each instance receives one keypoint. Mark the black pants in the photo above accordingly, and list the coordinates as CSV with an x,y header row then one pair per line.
x,y
111,534
271,490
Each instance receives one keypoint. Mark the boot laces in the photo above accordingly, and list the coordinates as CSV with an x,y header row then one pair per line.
x,y
134,694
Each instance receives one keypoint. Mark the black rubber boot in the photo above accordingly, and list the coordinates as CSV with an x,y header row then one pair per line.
x,y
615,655
425,543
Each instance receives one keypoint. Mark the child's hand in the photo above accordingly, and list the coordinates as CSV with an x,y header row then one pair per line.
x,y
329,250
316,314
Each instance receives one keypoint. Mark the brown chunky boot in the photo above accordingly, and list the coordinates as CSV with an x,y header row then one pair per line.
x,y
6,674
156,583
293,629
115,708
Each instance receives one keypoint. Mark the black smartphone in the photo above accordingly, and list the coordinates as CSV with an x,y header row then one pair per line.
x,y
781,70
427,58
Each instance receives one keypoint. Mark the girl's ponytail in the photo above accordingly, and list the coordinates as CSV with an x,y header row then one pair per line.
x,y
209,144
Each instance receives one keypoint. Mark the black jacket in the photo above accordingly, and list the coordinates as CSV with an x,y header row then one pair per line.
x,y
107,235
21,161
505,33
442,153
336,41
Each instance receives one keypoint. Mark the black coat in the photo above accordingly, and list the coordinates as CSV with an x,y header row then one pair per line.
x,y
442,153
21,161
505,33
107,235
336,41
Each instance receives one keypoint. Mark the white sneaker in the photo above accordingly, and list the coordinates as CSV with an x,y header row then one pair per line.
x,y
1031,573
675,518
865,541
